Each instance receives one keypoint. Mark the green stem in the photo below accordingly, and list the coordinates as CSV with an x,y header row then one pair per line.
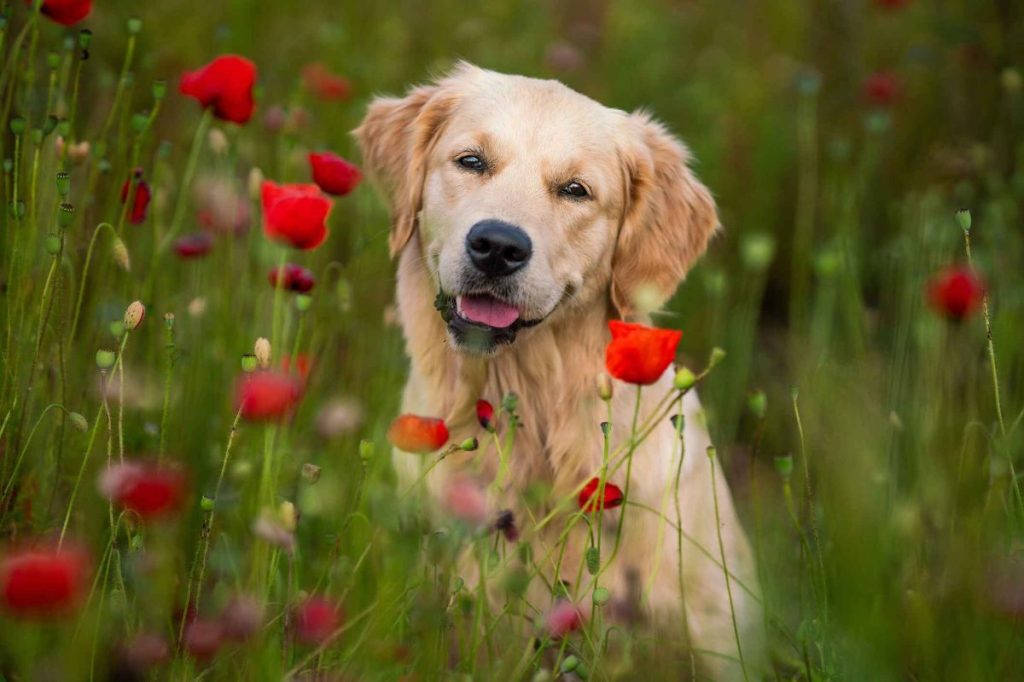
x,y
85,274
725,565
181,204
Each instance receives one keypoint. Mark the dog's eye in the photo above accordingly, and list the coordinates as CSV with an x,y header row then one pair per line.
x,y
472,162
574,190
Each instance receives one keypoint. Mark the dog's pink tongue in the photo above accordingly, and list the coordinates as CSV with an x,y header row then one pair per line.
x,y
488,310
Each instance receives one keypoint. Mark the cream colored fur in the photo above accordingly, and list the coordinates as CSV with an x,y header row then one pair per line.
x,y
618,255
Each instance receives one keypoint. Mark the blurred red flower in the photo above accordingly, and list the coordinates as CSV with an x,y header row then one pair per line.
x,y
194,245
588,496
295,214
226,84
485,414
316,619
329,87
465,500
149,489
417,434
562,619
638,354
956,292
293,278
203,638
882,88
64,12
267,395
334,174
39,583
140,200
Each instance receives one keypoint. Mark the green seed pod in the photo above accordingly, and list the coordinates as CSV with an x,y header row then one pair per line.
x,y
206,503
469,445
8,165
593,560
366,451
134,25
602,596
64,129
606,429
249,362
53,60
116,328
78,421
784,465
569,663
139,121
717,355
105,359
159,90
169,320
684,379
52,244
164,150
509,402
84,38
103,166
65,214
758,404
757,251
964,218
18,125
135,543
69,42
303,302
37,135
50,124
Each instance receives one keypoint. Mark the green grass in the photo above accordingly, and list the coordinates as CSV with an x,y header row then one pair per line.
x,y
892,550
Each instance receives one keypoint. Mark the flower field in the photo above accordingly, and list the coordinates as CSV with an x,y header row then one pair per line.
x,y
201,368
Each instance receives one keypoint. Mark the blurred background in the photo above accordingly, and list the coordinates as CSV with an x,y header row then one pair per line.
x,y
839,137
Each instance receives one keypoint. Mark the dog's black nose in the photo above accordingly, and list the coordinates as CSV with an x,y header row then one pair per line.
x,y
497,248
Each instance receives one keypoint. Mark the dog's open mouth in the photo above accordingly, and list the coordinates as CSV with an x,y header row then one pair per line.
x,y
479,322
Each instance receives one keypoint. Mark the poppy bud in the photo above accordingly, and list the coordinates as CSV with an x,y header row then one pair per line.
x,y
262,352
120,252
311,473
249,363
601,596
366,451
757,251
134,25
604,386
139,121
758,404
963,217
218,141
684,379
52,244
303,302
288,515
717,355
84,38
105,359
78,421
52,58
18,125
784,465
159,90
485,414
134,315
569,664
169,320
469,445
593,560
116,329
606,429
509,402
206,503
255,182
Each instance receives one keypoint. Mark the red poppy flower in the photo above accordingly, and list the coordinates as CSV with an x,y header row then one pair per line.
x,y
148,489
485,414
294,278
301,367
562,619
334,174
194,245
225,84
882,88
956,293
203,638
588,496
295,214
316,619
418,434
638,354
65,12
267,395
42,582
329,87
140,201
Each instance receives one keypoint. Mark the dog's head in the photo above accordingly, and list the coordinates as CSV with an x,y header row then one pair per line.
x,y
530,199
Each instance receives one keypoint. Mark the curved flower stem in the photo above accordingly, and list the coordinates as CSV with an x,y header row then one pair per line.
x,y
633,443
725,566
24,449
186,181
119,91
85,275
199,562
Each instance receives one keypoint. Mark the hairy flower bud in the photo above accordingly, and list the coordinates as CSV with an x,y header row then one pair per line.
x,y
262,352
134,315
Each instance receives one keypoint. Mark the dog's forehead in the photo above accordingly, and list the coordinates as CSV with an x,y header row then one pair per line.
x,y
543,115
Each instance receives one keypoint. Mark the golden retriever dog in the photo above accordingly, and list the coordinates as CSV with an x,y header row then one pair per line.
x,y
532,215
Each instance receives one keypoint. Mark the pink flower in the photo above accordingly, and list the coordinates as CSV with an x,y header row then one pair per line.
x,y
316,619
194,245
464,500
563,618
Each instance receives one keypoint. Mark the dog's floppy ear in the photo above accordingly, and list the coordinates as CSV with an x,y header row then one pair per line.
x,y
395,137
668,220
